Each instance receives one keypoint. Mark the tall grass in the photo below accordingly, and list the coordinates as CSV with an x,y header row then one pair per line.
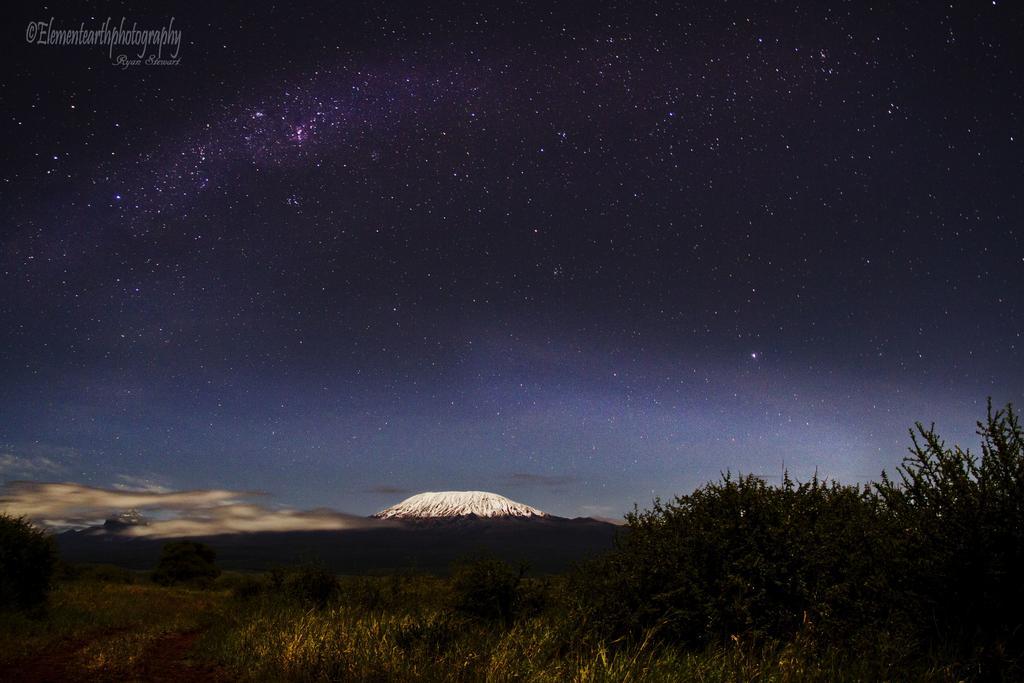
x,y
396,629
269,638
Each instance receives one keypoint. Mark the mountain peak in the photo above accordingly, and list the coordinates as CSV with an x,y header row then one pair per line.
x,y
448,504
125,519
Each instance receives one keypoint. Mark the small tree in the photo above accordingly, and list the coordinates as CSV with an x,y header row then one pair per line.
x,y
27,562
186,562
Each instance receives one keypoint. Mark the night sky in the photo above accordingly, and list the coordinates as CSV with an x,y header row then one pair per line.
x,y
580,256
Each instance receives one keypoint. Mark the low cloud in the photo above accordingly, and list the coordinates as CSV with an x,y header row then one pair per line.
x,y
198,512
242,518
41,500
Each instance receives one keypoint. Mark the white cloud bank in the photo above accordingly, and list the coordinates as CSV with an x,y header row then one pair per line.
x,y
200,512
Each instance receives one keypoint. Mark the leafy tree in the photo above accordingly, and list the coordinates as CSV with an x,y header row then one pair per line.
x,y
186,562
28,559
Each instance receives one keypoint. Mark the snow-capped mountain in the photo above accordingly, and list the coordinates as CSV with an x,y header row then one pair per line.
x,y
455,504
125,519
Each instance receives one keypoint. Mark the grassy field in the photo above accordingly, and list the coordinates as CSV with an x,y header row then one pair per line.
x,y
120,626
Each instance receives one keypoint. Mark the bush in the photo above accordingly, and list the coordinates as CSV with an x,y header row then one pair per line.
x,y
248,588
242,585
186,562
276,577
487,587
28,559
310,584
366,593
740,557
930,561
960,525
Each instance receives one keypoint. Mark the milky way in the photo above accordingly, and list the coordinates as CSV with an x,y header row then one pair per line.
x,y
581,256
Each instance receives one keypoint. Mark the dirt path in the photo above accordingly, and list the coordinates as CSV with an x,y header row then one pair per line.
x,y
168,659
56,664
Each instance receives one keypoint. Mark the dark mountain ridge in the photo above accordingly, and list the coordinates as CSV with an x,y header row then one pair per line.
x,y
547,543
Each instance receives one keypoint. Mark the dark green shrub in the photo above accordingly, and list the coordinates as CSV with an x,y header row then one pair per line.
x,y
740,557
276,577
959,521
186,562
368,593
436,636
487,587
311,584
28,559
929,563
535,596
242,585
248,588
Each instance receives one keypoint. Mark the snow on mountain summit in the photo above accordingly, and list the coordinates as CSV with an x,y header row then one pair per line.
x,y
446,504
123,520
